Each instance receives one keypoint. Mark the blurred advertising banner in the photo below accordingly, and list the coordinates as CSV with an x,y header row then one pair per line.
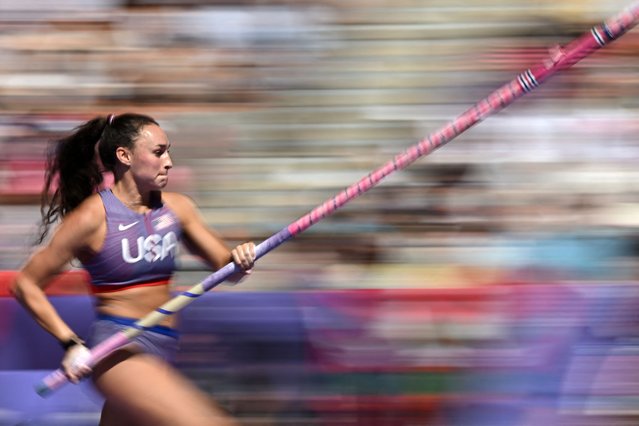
x,y
497,354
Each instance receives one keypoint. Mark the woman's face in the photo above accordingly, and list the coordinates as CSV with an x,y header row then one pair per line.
x,y
150,160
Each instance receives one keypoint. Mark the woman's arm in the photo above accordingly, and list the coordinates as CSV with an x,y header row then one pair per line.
x,y
205,242
28,289
71,237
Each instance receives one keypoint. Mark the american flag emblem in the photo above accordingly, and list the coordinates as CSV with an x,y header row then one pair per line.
x,y
163,221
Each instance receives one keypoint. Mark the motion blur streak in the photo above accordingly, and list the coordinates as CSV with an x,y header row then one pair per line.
x,y
493,283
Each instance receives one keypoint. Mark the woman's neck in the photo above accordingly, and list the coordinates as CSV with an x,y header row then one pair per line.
x,y
133,199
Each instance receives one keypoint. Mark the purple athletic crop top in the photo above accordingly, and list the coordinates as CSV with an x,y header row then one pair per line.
x,y
139,249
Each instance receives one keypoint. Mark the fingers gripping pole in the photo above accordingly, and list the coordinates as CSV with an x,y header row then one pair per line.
x,y
559,59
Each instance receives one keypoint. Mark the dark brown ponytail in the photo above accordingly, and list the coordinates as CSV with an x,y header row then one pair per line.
x,y
72,171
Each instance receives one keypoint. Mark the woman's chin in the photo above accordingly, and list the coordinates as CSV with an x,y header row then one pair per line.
x,y
162,182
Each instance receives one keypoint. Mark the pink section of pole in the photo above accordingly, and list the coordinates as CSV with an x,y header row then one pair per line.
x,y
559,59
56,379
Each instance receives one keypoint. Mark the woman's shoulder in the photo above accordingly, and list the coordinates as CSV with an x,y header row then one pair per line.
x,y
168,196
181,204
83,224
89,212
177,199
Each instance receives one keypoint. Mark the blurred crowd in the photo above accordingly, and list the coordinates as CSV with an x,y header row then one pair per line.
x,y
274,106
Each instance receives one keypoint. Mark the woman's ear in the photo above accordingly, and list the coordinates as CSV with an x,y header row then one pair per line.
x,y
123,155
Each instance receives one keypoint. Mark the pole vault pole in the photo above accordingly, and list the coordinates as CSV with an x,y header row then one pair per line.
x,y
560,58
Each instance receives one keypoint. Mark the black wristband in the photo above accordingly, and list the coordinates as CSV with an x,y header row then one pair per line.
x,y
75,340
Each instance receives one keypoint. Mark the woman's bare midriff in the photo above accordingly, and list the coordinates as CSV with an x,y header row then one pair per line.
x,y
135,302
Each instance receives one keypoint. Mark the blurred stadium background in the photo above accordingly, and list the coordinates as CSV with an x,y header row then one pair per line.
x,y
492,283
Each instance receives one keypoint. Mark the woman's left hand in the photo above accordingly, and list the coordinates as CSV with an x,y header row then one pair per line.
x,y
244,256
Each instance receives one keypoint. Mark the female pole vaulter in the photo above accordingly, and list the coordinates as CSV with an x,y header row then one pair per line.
x,y
126,238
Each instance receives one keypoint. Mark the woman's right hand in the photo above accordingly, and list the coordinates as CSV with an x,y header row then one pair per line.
x,y
75,362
